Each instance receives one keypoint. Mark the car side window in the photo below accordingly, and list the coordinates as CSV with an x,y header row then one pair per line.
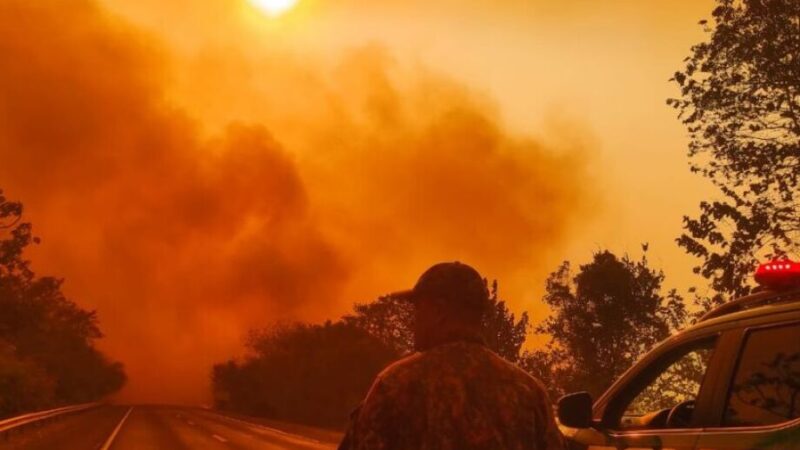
x,y
664,396
766,385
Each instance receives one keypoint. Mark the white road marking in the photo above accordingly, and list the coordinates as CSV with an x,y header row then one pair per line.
x,y
114,433
266,428
219,438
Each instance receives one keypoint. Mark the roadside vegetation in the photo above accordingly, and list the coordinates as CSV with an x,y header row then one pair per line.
x,y
47,352
740,103
603,318
317,373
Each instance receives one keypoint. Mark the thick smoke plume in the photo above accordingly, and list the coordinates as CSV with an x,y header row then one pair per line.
x,y
357,178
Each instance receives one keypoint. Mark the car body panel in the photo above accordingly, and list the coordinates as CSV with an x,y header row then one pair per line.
x,y
593,439
706,434
785,436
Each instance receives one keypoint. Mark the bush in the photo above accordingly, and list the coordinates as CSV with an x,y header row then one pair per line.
x,y
312,374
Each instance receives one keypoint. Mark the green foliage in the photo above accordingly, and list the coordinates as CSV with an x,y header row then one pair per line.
x,y
313,374
740,101
603,319
47,340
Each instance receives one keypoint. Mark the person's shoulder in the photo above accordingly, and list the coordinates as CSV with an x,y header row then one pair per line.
x,y
517,373
438,360
402,366
452,357
394,381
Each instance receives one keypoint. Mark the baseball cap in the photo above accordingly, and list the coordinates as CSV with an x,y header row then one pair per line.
x,y
455,282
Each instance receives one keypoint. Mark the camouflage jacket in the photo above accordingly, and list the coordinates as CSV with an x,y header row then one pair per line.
x,y
457,396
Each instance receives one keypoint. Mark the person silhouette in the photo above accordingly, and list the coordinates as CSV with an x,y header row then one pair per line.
x,y
453,393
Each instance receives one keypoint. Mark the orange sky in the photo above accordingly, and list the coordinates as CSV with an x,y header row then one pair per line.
x,y
196,168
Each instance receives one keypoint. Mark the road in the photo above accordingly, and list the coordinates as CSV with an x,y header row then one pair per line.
x,y
160,427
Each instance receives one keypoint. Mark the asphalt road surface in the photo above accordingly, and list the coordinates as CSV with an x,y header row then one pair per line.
x,y
160,427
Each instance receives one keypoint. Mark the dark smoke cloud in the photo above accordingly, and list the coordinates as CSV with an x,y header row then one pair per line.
x,y
183,241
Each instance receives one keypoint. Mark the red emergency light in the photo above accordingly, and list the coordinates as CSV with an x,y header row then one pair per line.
x,y
779,273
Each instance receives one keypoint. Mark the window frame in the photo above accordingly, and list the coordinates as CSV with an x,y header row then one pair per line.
x,y
612,404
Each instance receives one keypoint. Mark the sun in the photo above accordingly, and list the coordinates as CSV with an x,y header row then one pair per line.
x,y
274,8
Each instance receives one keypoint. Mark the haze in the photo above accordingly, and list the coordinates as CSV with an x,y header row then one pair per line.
x,y
196,168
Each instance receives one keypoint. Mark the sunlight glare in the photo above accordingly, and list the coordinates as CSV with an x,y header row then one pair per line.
x,y
274,8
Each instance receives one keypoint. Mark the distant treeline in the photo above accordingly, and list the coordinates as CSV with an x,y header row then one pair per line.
x,y
316,374
47,356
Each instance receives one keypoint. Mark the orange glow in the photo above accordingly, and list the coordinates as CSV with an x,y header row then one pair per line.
x,y
274,7
192,176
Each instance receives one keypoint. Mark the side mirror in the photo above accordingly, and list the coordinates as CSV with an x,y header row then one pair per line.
x,y
575,410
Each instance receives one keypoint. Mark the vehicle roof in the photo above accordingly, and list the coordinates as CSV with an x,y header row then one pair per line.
x,y
751,306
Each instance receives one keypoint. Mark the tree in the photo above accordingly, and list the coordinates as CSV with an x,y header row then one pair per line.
x,y
24,385
391,321
603,319
46,338
388,320
740,101
316,374
312,374
503,333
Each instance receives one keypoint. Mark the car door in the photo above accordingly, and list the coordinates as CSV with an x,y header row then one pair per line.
x,y
758,406
659,404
